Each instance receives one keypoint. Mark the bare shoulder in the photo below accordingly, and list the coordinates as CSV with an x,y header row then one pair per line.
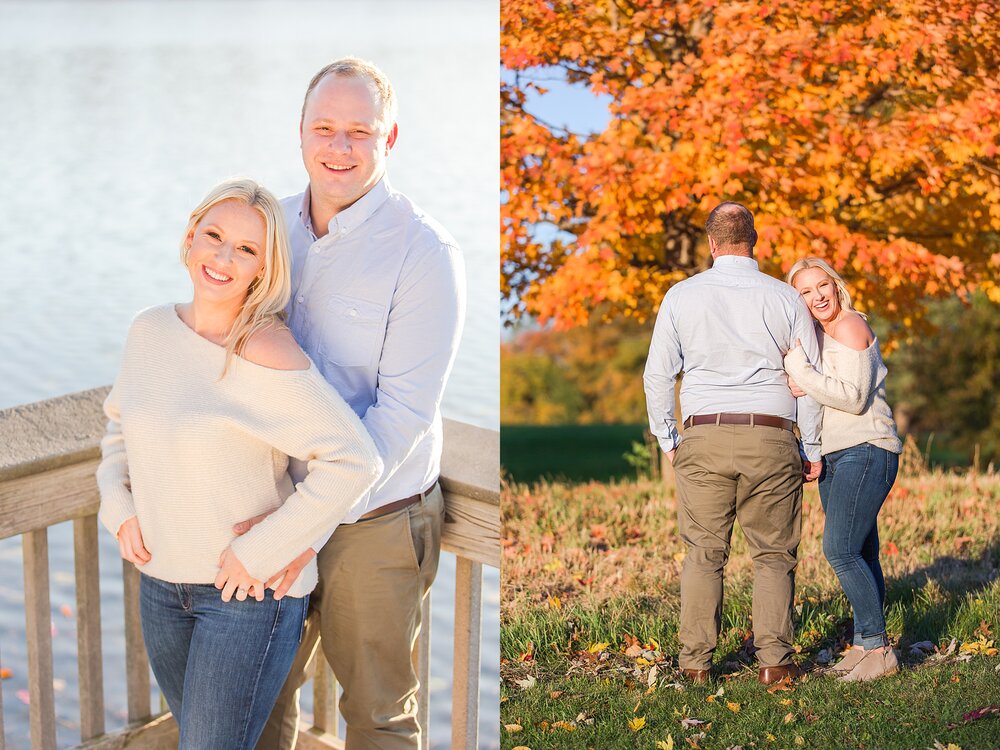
x,y
853,331
275,347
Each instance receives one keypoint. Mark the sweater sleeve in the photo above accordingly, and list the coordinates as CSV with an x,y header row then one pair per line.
x,y
313,424
112,473
850,395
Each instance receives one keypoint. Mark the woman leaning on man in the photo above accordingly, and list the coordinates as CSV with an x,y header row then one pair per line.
x,y
860,451
212,397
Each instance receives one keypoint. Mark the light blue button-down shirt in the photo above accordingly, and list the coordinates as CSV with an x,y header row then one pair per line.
x,y
378,304
728,329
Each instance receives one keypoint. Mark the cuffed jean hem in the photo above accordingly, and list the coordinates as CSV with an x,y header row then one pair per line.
x,y
869,642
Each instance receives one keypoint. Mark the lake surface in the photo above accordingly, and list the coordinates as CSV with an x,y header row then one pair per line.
x,y
115,119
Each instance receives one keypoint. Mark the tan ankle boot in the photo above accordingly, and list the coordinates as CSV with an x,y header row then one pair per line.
x,y
851,658
873,664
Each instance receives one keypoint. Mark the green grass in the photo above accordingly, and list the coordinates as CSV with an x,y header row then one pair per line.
x,y
590,567
580,453
529,453
906,712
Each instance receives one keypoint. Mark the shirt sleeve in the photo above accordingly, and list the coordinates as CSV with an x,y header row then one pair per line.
x,y
665,361
421,341
113,482
809,415
850,396
312,423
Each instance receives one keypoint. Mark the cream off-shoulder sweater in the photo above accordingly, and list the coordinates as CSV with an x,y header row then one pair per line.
x,y
192,453
852,391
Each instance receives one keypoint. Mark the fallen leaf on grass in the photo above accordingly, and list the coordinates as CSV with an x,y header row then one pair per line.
x,y
566,726
513,727
651,678
770,738
637,723
688,723
782,686
789,717
667,744
890,548
984,629
555,693
733,706
786,701
949,746
981,713
554,602
982,646
596,648
951,647
527,682
799,740
522,747
695,739
735,747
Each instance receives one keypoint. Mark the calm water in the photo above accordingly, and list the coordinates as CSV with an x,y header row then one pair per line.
x,y
115,119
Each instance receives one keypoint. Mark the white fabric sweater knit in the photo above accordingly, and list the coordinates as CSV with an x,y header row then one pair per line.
x,y
852,391
191,454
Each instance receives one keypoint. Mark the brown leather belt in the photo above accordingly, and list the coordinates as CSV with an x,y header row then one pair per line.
x,y
764,420
406,502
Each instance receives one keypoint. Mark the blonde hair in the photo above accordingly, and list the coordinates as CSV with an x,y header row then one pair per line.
x,y
843,295
378,82
269,293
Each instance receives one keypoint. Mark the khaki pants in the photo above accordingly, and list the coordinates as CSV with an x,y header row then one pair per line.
x,y
366,614
753,474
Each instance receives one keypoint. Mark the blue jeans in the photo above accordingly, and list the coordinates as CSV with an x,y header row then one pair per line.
x,y
852,488
220,665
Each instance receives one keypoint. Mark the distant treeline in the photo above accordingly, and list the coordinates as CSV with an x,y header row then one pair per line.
x,y
943,387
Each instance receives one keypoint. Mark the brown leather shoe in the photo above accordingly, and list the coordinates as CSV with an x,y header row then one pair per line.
x,y
768,675
697,676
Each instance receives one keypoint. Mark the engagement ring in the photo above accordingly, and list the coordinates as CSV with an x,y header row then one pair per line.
x,y
242,591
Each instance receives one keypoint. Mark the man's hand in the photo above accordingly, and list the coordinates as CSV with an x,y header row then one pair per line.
x,y
670,455
130,544
289,574
811,469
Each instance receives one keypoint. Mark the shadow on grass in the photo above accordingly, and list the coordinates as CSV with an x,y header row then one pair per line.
x,y
944,598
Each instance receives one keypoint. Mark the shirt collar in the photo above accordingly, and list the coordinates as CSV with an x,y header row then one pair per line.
x,y
735,262
360,211
351,217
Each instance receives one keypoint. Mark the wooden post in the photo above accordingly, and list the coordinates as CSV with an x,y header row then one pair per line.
x,y
468,630
38,618
325,696
88,627
136,661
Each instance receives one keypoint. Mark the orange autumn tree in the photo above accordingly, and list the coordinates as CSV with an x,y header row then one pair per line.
x,y
864,132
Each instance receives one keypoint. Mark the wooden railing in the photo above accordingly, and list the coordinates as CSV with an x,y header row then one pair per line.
x,y
48,454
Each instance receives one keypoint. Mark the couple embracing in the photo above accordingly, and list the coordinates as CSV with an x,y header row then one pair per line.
x,y
273,445
761,357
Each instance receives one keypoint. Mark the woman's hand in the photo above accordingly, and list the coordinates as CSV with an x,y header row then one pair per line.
x,y
130,544
234,578
794,387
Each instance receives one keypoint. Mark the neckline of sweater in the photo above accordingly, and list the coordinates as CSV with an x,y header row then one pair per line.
x,y
860,352
245,365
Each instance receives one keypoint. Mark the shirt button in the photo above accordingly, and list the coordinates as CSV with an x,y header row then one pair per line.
x,y
354,313
300,298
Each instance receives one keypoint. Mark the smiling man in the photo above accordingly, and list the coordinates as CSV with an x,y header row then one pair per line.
x,y
378,300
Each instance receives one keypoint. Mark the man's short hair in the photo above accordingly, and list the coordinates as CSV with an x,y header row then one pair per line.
x,y
731,226
354,67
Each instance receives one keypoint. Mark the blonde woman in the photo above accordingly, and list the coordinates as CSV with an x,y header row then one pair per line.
x,y
860,449
212,398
